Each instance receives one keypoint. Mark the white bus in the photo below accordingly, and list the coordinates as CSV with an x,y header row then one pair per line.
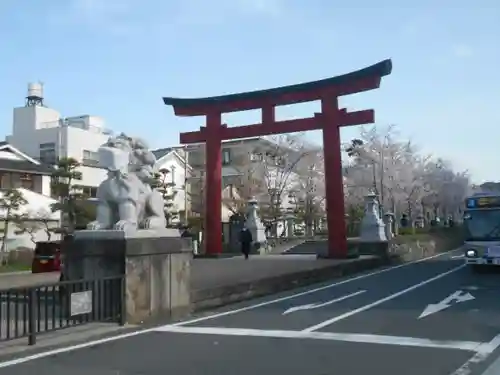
x,y
482,230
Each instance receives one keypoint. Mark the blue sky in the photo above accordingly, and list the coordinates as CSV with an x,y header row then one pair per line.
x,y
117,58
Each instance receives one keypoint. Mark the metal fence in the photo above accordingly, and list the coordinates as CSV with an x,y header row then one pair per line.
x,y
31,311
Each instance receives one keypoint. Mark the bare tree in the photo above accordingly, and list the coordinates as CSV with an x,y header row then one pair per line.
x,y
246,180
27,225
308,192
280,162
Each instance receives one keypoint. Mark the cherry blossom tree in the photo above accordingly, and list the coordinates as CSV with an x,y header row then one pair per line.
x,y
405,181
281,161
308,191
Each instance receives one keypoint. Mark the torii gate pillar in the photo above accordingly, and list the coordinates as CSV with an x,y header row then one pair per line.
x,y
330,120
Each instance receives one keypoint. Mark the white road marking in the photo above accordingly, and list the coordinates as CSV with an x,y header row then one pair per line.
x,y
472,346
482,353
380,301
89,344
457,297
305,293
311,306
458,257
470,287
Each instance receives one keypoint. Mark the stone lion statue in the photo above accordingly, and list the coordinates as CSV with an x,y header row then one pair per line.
x,y
126,200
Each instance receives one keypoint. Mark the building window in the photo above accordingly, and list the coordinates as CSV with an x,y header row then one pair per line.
x,y
5,180
26,181
89,191
256,156
90,158
48,152
47,145
226,156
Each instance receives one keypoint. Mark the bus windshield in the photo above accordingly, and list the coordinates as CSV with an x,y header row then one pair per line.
x,y
482,225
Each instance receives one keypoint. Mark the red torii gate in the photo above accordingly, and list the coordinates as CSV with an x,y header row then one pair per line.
x,y
330,119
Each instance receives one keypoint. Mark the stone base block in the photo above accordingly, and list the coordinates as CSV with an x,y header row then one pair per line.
x,y
156,269
380,248
322,250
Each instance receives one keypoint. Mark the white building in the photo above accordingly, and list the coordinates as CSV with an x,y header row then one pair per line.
x,y
32,179
173,160
43,134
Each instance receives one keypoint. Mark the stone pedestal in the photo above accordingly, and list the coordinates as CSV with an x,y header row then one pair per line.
x,y
289,226
156,265
389,223
372,238
255,226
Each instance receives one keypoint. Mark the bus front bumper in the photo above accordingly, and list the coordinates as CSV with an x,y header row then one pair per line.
x,y
483,261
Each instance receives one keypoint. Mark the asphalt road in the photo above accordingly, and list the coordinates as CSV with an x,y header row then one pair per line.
x,y
433,317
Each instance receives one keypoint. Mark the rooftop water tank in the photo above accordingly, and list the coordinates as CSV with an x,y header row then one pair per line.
x,y
35,90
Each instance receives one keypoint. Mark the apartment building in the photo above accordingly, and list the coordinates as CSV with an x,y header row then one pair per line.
x,y
43,134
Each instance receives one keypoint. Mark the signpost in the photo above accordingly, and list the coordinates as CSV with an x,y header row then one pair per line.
x,y
81,303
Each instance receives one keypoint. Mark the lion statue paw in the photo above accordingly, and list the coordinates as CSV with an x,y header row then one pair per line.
x,y
124,225
94,225
153,222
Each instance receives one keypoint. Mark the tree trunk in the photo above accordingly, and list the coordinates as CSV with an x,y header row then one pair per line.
x,y
5,233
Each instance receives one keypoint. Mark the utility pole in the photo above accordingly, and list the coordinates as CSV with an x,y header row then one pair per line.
x,y
185,185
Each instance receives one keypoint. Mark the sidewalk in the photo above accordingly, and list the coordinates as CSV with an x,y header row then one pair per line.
x,y
25,279
218,282
228,272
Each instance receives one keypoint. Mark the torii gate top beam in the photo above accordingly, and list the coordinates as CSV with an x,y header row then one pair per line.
x,y
361,80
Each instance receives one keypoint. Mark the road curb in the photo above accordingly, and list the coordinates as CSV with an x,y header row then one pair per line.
x,y
225,295
14,273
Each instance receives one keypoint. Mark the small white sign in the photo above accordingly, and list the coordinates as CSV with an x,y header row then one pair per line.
x,y
81,303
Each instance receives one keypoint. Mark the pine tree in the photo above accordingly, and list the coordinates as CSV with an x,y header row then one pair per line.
x,y
165,187
10,203
69,194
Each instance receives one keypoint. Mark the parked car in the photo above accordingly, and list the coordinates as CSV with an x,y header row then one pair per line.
x,y
47,257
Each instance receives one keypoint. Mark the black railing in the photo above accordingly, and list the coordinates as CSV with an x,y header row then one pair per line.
x,y
31,311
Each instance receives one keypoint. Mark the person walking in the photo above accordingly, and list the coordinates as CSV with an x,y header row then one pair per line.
x,y
246,241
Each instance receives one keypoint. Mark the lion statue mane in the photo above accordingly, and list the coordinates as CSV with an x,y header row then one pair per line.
x,y
126,200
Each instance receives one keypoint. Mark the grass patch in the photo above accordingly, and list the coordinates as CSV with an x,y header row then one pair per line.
x,y
14,267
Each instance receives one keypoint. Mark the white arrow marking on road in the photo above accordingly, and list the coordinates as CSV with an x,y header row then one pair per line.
x,y
312,306
458,296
